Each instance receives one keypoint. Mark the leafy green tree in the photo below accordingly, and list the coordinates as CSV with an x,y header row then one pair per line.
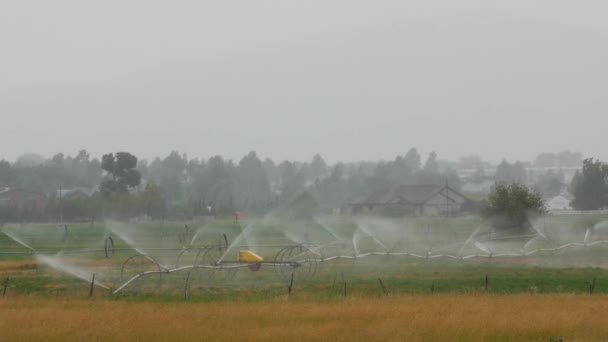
x,y
29,160
152,201
550,184
252,187
273,173
214,185
590,187
332,191
173,176
511,173
8,174
121,173
412,159
318,168
431,164
292,180
510,207
398,171
303,206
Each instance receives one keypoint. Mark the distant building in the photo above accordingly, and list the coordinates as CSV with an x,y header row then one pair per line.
x,y
420,200
559,203
484,187
22,201
75,193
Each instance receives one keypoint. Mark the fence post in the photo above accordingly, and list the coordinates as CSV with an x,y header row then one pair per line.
x,y
187,286
382,286
92,286
5,286
290,286
487,282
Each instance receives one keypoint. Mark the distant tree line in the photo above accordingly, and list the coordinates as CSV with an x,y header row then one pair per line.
x,y
557,160
33,173
590,186
177,186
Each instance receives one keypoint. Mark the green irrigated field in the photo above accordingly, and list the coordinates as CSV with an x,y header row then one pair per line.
x,y
377,257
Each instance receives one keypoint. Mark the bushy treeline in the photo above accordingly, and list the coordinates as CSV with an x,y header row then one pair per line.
x,y
33,173
590,186
177,186
195,186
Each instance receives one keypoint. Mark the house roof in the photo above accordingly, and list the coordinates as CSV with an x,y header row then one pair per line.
x,y
413,194
9,191
76,190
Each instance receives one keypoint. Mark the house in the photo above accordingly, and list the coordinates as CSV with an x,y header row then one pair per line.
x,y
483,187
22,201
421,200
559,203
75,193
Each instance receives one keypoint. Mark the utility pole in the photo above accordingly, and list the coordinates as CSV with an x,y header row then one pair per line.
x,y
447,199
60,204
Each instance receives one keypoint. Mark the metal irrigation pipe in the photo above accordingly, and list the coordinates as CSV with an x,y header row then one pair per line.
x,y
85,251
126,262
413,255
232,265
167,271
434,256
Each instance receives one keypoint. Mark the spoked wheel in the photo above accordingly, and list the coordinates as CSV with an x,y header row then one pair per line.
x,y
211,257
300,260
138,264
188,277
108,247
190,256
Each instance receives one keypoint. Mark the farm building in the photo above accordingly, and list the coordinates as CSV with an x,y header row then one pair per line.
x,y
560,202
75,193
419,200
22,201
483,187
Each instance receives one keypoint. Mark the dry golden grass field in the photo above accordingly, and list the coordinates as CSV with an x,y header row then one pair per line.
x,y
445,317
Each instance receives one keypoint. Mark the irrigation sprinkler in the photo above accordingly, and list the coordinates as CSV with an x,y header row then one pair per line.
x,y
212,263
318,259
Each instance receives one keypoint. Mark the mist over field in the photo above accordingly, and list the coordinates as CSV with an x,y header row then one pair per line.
x,y
288,170
352,81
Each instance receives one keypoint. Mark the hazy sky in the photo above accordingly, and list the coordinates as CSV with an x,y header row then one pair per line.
x,y
349,79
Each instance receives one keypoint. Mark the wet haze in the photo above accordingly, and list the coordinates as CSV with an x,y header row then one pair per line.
x,y
352,80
